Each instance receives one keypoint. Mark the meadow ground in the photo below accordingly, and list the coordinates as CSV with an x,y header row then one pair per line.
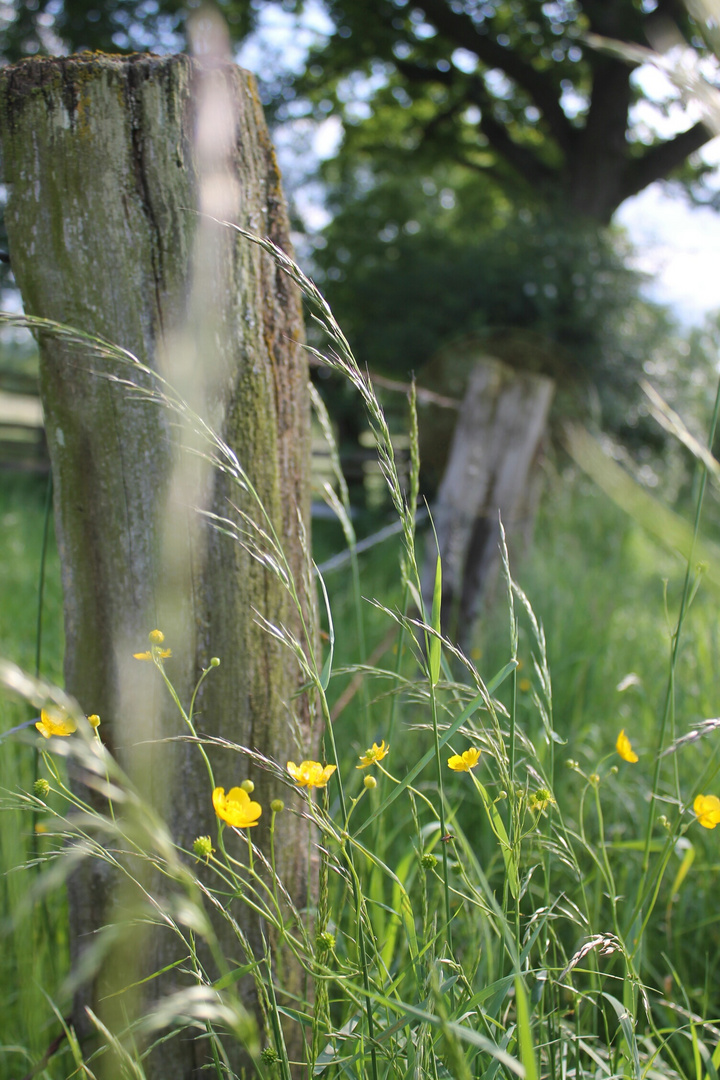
x,y
527,890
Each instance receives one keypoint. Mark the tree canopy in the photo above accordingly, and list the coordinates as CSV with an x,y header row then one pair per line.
x,y
510,89
481,139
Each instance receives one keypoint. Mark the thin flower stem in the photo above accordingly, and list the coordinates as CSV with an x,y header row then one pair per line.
x,y
272,864
331,735
107,776
609,877
186,718
206,671
670,691
357,897
441,815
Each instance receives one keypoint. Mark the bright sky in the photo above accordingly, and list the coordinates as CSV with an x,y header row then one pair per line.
x,y
680,246
677,243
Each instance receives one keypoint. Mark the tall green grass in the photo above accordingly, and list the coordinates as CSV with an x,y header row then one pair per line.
x,y
34,957
541,908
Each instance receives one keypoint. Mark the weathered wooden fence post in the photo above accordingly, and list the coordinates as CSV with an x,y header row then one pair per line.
x,y
104,164
490,471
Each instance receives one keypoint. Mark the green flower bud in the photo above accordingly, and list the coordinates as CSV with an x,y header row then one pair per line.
x,y
215,662
247,785
202,846
41,788
370,783
325,940
277,805
541,800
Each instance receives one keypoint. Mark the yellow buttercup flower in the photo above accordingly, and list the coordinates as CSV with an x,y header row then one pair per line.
x,y
156,638
375,753
624,748
310,773
236,808
466,761
55,721
707,810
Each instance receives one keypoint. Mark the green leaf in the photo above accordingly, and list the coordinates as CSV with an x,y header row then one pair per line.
x,y
524,1031
628,1029
435,646
327,666
498,826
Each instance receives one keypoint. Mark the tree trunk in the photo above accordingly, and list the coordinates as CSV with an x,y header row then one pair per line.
x,y
104,157
491,471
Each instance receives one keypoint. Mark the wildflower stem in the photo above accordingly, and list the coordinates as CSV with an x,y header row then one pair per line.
x,y
670,691
107,774
272,862
441,813
188,718
357,897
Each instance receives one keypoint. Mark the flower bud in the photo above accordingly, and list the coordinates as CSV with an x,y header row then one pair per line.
x,y
94,721
156,637
215,662
41,788
202,846
325,940
247,785
370,783
277,805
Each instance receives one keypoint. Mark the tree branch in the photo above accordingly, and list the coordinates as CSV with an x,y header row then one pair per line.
x,y
658,162
524,161
518,157
461,30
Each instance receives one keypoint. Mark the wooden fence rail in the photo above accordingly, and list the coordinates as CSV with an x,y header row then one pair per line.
x,y
23,447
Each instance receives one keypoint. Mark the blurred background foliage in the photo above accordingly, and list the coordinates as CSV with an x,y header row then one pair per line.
x,y
483,149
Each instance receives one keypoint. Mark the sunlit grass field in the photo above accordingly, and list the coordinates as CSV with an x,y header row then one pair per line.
x,y
567,948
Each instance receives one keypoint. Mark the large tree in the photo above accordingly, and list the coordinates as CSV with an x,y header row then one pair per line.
x,y
510,88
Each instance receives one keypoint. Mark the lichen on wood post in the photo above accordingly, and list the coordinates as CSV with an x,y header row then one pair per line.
x,y
103,167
